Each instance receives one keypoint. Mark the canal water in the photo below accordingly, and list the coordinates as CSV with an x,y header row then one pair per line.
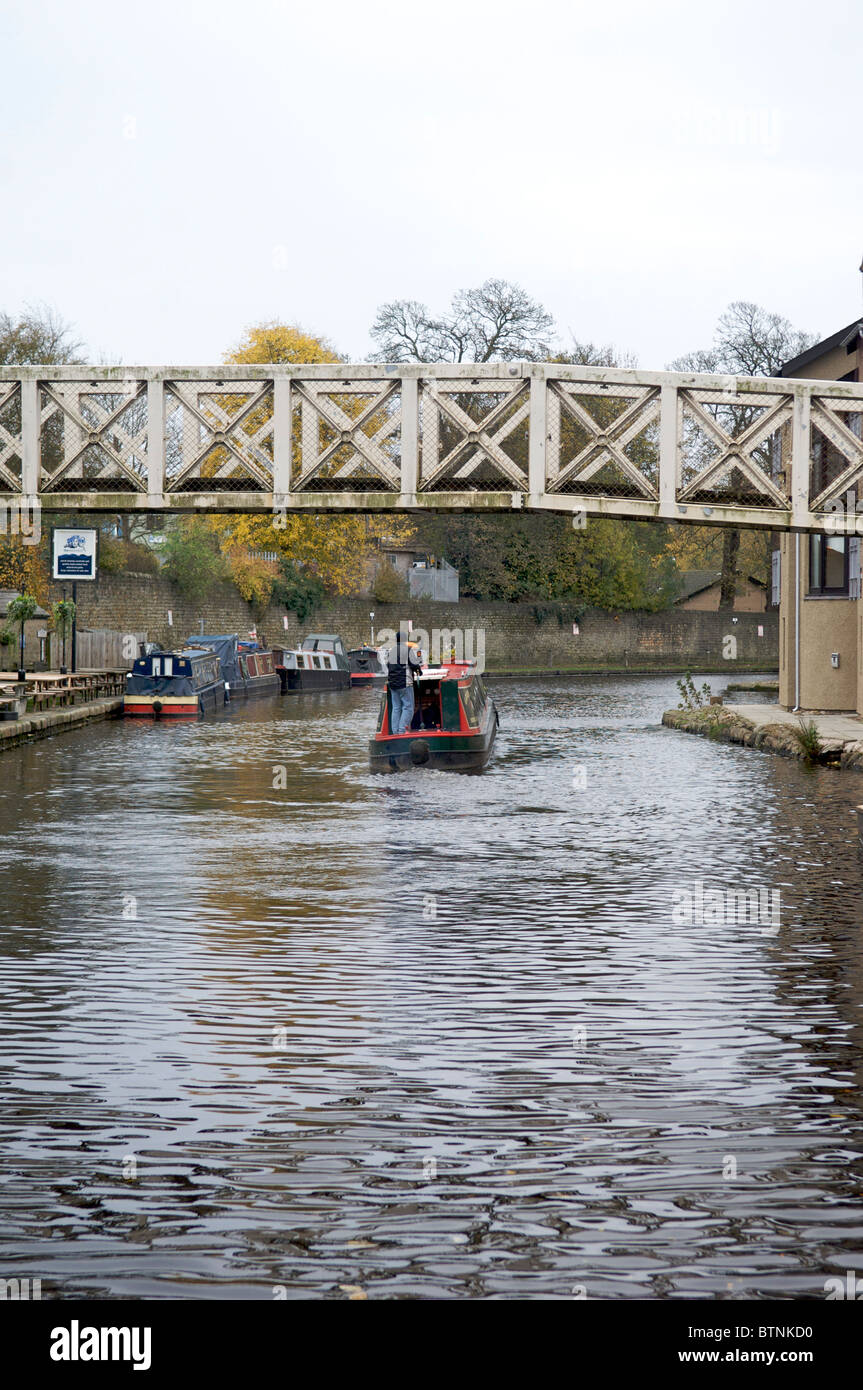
x,y
273,1027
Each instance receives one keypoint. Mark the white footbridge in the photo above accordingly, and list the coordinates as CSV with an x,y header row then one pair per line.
x,y
591,441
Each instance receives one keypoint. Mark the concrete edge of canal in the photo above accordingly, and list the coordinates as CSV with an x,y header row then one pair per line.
x,y
773,730
604,668
58,721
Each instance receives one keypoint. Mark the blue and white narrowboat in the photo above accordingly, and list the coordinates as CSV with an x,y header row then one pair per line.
x,y
174,685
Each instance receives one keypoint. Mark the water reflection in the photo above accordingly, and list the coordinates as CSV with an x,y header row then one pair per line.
x,y
426,1034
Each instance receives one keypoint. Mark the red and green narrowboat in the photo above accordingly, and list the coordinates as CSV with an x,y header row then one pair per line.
x,y
453,729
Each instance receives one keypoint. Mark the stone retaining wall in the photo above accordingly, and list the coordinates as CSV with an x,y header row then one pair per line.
x,y
517,636
58,721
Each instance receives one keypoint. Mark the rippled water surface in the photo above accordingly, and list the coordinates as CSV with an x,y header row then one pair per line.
x,y
427,1035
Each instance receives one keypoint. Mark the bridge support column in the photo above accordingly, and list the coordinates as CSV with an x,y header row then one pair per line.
x,y
30,437
410,438
668,450
156,439
800,452
538,432
282,439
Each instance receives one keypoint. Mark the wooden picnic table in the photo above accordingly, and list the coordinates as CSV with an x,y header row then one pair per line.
x,y
48,688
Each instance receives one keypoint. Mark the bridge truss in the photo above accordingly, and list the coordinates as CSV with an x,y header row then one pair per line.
x,y
741,451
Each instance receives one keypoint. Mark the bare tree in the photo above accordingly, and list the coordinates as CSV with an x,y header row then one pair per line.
x,y
497,322
748,341
39,335
595,355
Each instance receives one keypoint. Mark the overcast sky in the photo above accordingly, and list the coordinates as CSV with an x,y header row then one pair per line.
x,y
173,172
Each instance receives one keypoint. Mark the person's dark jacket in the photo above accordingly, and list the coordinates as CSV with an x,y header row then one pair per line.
x,y
403,664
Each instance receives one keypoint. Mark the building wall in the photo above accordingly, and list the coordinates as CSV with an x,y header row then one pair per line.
x,y
143,602
859,618
750,598
826,625
787,619
521,636
9,654
832,366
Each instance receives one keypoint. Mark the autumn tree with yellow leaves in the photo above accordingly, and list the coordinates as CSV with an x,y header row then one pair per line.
x,y
272,341
337,550
23,568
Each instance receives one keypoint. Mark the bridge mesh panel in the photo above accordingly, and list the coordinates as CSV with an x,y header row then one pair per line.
x,y
603,440
10,435
219,436
93,436
474,435
346,436
836,451
734,453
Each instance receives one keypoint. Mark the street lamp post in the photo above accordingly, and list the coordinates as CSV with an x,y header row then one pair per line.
x,y
63,670
74,627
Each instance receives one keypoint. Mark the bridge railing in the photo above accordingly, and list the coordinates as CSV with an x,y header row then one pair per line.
x,y
752,451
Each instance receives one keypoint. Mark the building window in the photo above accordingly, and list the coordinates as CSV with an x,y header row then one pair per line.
x,y
828,565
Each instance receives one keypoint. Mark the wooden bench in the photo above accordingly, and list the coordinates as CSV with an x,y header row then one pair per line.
x,y
47,691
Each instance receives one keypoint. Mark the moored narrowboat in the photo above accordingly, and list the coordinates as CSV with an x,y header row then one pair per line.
x,y
174,685
321,663
367,667
258,670
248,670
453,728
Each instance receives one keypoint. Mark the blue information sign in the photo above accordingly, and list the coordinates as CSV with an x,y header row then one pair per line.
x,y
74,553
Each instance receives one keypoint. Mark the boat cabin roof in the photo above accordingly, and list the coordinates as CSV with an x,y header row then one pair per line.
x,y
441,674
449,671
178,653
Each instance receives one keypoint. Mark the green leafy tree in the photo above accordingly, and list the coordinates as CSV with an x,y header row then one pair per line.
x,y
192,559
38,335
21,610
63,615
298,590
608,564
